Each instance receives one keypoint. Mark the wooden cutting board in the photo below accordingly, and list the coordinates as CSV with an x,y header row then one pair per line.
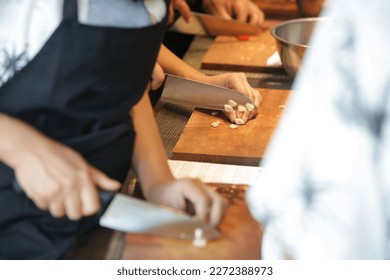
x,y
229,53
241,240
244,146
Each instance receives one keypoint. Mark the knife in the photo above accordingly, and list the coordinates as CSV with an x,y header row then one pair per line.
x,y
182,91
208,25
129,214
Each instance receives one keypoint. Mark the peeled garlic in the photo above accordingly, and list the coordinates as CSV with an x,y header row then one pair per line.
x,y
228,108
215,124
199,240
239,121
198,233
250,107
241,108
232,103
199,243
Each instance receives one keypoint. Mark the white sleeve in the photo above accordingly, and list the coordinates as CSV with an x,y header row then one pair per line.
x,y
323,192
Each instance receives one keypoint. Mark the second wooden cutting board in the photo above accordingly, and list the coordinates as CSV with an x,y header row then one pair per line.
x,y
243,146
231,54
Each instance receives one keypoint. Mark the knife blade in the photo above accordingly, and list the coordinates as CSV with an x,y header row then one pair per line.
x,y
182,91
208,25
129,214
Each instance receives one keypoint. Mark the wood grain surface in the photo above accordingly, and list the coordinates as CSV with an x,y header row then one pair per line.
x,y
240,240
245,145
229,53
278,8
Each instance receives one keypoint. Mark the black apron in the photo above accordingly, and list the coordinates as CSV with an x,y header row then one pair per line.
x,y
78,90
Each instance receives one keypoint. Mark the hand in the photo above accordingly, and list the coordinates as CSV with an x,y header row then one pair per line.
x,y
239,82
241,10
58,179
182,7
209,206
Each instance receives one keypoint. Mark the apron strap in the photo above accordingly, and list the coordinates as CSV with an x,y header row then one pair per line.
x,y
70,10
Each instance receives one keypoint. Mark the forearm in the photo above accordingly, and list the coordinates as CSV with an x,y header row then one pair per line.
x,y
171,64
157,181
149,158
174,65
52,175
16,136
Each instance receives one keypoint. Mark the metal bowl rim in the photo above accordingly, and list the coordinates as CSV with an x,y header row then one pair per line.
x,y
310,19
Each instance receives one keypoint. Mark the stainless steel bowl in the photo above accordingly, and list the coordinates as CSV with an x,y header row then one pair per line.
x,y
292,38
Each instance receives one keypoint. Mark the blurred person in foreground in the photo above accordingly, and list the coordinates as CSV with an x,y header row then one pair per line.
x,y
75,116
324,192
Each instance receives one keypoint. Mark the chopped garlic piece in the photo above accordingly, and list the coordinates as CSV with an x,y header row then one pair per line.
x,y
199,243
281,106
199,240
233,126
228,108
215,124
250,107
198,233
274,60
239,121
241,108
232,103
214,113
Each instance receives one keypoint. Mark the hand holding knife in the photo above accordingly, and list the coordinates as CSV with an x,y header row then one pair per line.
x,y
208,25
182,91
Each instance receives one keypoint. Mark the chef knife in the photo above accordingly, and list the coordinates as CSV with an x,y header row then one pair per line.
x,y
182,91
208,25
129,214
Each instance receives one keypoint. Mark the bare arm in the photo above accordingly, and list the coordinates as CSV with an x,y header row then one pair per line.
x,y
241,10
238,81
53,175
159,186
176,66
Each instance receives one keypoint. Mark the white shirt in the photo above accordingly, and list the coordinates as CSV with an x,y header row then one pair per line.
x,y
25,25
325,189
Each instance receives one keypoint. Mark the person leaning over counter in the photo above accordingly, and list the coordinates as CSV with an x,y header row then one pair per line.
x,y
75,115
169,62
240,10
325,188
